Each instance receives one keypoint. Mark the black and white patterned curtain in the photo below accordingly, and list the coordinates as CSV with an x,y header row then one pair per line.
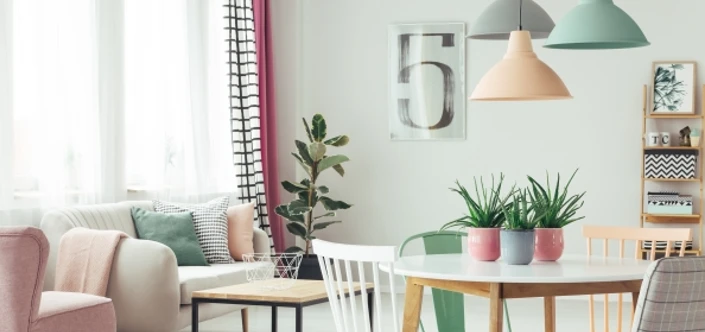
x,y
244,108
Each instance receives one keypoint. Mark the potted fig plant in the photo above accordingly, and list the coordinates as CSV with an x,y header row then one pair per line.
x,y
517,236
303,219
557,210
483,219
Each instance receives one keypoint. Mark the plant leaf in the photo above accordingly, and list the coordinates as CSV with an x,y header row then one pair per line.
x,y
331,161
296,229
293,187
329,214
332,205
324,224
283,211
298,207
308,130
304,197
462,222
301,162
322,189
339,169
303,152
318,131
317,150
340,140
293,249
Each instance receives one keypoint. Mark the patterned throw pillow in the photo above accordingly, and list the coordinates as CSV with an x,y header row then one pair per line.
x,y
211,223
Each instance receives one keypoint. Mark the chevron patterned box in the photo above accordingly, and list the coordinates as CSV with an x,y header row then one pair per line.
x,y
670,164
669,203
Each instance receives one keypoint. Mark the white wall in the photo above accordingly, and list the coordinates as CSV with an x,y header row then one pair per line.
x,y
332,59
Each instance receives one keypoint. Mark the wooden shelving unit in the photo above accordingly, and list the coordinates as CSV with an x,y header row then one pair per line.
x,y
674,219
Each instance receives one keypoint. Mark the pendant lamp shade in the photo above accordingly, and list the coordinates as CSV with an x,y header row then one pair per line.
x,y
502,17
596,24
520,76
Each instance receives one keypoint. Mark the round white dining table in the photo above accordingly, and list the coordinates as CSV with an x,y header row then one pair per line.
x,y
570,275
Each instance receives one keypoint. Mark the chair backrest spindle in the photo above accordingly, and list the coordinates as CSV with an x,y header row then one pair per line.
x,y
338,278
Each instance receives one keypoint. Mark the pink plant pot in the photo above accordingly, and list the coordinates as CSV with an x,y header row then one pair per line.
x,y
549,244
483,244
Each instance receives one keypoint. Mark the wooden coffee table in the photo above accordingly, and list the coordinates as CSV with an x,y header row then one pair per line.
x,y
303,293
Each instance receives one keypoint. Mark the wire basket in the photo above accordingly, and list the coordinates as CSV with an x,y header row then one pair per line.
x,y
273,271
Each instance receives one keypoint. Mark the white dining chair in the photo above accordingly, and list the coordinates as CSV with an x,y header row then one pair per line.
x,y
337,262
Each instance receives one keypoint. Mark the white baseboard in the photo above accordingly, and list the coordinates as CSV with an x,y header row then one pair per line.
x,y
613,298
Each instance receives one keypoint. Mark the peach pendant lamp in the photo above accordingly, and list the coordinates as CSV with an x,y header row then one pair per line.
x,y
520,76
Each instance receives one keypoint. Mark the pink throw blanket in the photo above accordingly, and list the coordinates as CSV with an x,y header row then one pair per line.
x,y
84,260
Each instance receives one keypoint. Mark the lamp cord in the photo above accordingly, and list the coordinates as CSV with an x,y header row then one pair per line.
x,y
521,3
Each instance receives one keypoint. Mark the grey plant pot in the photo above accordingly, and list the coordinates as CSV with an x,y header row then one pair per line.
x,y
517,246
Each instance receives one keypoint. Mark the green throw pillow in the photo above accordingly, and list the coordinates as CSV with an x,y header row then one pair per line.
x,y
174,230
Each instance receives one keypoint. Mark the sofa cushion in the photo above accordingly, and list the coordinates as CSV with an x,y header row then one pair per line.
x,y
197,278
211,223
240,232
173,230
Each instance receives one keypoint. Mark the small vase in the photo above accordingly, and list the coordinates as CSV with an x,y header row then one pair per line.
x,y
517,246
549,244
483,243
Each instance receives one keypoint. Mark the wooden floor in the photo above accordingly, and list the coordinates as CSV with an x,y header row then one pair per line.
x,y
526,316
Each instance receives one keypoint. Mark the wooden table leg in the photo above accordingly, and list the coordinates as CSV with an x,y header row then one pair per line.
x,y
635,300
496,316
245,320
412,306
549,312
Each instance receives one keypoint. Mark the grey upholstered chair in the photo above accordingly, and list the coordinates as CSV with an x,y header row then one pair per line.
x,y
672,297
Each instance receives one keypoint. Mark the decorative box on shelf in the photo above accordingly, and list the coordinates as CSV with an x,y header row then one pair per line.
x,y
670,164
669,203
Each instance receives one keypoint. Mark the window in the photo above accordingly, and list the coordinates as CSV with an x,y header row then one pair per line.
x,y
95,113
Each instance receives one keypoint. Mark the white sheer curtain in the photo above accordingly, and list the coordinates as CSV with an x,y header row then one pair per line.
x,y
178,144
109,100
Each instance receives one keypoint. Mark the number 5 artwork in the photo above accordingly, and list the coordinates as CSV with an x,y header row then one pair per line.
x,y
427,81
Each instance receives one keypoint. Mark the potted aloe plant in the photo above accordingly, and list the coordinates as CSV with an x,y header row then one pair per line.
x,y
517,236
483,219
557,210
303,220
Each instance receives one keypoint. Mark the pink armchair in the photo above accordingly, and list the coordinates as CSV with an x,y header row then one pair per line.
x,y
23,305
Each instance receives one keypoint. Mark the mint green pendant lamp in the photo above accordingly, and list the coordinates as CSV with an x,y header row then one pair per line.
x,y
594,25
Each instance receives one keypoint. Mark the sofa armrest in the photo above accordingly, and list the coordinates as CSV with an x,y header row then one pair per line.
x,y
54,226
144,286
261,241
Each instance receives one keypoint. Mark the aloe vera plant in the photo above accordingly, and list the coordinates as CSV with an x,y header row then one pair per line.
x,y
314,160
555,207
520,214
485,208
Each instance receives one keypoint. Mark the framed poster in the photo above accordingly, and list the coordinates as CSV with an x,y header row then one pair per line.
x,y
427,81
674,87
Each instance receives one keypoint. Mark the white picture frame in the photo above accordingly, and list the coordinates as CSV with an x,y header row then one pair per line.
x,y
427,81
673,89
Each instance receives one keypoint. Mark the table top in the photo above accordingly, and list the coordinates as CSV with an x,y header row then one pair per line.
x,y
302,291
568,269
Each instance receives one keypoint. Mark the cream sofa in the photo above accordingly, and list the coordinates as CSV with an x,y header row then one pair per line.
x,y
149,291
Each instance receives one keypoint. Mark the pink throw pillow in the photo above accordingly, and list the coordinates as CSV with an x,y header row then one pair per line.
x,y
240,233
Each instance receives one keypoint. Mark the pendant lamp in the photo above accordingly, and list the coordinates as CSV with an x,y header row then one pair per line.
x,y
499,19
596,24
520,76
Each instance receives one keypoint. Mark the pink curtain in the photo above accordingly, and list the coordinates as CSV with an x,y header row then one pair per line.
x,y
265,69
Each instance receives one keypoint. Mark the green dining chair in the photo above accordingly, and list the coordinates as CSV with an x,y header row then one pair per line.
x,y
449,306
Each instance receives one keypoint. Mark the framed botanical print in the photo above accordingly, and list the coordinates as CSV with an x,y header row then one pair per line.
x,y
674,87
427,81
